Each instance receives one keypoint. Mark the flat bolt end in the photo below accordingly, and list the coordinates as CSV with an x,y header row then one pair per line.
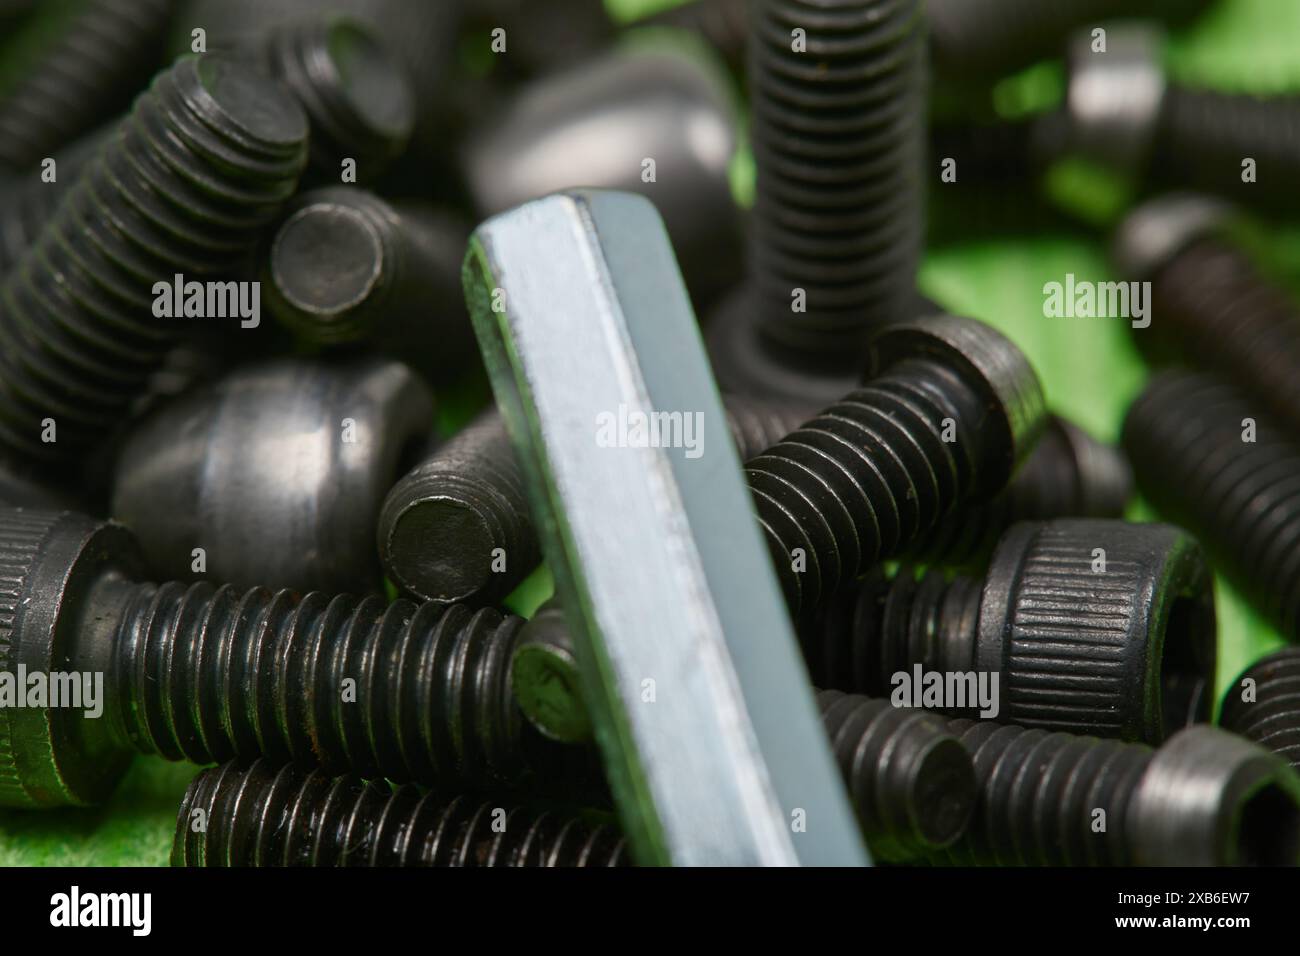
x,y
993,366
546,679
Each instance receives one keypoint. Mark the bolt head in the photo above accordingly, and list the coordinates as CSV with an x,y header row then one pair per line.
x,y
1158,230
59,755
986,361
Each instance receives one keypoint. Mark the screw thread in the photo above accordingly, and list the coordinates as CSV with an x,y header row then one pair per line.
x,y
1241,499
838,142
290,816
1272,718
1038,793
864,479
1202,136
209,674
183,186
909,779
91,69
879,627
1068,474
1217,309
29,206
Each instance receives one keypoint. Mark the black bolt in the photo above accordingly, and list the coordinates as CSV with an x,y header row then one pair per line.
x,y
28,203
1068,474
909,780
1210,304
270,815
986,39
203,673
277,471
1185,437
1128,652
1267,710
189,179
949,409
345,265
97,63
1125,113
355,93
458,526
837,220
1205,798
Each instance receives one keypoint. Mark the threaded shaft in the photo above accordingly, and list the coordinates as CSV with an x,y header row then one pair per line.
x,y
910,780
1068,474
1038,793
879,627
185,185
838,143
1271,717
92,69
458,526
1215,308
1242,499
864,479
27,206
1202,136
289,816
355,93
395,691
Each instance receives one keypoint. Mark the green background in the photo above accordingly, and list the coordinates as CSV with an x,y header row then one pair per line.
x,y
1089,368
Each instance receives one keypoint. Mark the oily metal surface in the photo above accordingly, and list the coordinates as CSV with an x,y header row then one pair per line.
x,y
713,760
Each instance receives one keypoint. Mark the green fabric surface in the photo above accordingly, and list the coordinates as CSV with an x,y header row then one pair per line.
x,y
1088,366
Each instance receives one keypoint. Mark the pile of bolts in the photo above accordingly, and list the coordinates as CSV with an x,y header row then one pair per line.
x,y
831,583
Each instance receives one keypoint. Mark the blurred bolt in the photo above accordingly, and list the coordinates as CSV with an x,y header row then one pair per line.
x,y
1267,710
1207,459
612,123
90,72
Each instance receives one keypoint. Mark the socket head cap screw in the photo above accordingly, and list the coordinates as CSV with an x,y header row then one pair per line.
x,y
1211,798
1133,654
55,756
1015,409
